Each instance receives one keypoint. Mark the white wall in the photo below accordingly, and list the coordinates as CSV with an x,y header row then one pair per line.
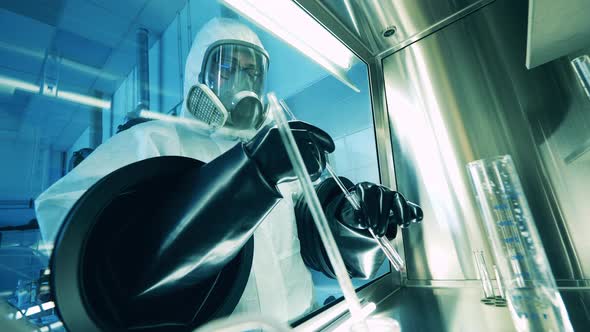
x,y
347,116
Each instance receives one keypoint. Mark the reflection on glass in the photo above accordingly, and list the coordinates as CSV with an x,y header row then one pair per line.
x,y
317,211
70,87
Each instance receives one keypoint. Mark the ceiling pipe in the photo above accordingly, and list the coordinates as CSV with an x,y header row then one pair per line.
x,y
95,127
143,72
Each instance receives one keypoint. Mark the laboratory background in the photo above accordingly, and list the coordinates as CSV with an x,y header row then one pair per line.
x,y
477,111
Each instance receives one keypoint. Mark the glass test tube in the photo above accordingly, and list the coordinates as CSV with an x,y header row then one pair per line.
x,y
581,66
533,299
392,255
486,283
500,300
499,283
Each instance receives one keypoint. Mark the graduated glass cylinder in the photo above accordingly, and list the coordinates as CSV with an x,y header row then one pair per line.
x,y
533,299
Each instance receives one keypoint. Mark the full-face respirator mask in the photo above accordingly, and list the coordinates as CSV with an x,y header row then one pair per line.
x,y
230,86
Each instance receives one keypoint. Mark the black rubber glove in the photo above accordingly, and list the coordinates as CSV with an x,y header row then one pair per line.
x,y
269,154
381,210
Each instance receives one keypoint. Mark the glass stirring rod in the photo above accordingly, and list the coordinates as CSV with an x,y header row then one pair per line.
x,y
394,257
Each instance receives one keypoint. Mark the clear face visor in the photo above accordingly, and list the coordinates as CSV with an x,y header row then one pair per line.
x,y
232,68
236,73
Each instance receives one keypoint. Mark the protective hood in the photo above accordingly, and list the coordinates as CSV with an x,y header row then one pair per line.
x,y
217,29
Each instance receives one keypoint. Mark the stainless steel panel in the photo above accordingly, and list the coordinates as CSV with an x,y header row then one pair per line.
x,y
561,284
459,309
381,122
444,309
376,292
556,28
463,94
563,136
368,19
384,147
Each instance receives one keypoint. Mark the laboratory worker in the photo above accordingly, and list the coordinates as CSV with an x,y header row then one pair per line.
x,y
225,232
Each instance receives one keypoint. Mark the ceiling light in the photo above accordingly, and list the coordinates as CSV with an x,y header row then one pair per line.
x,y
18,84
10,83
286,20
48,305
83,99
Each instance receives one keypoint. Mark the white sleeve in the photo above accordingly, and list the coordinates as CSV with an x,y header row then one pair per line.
x,y
140,142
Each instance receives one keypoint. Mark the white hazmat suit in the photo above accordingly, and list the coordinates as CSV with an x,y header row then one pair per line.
x,y
279,284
